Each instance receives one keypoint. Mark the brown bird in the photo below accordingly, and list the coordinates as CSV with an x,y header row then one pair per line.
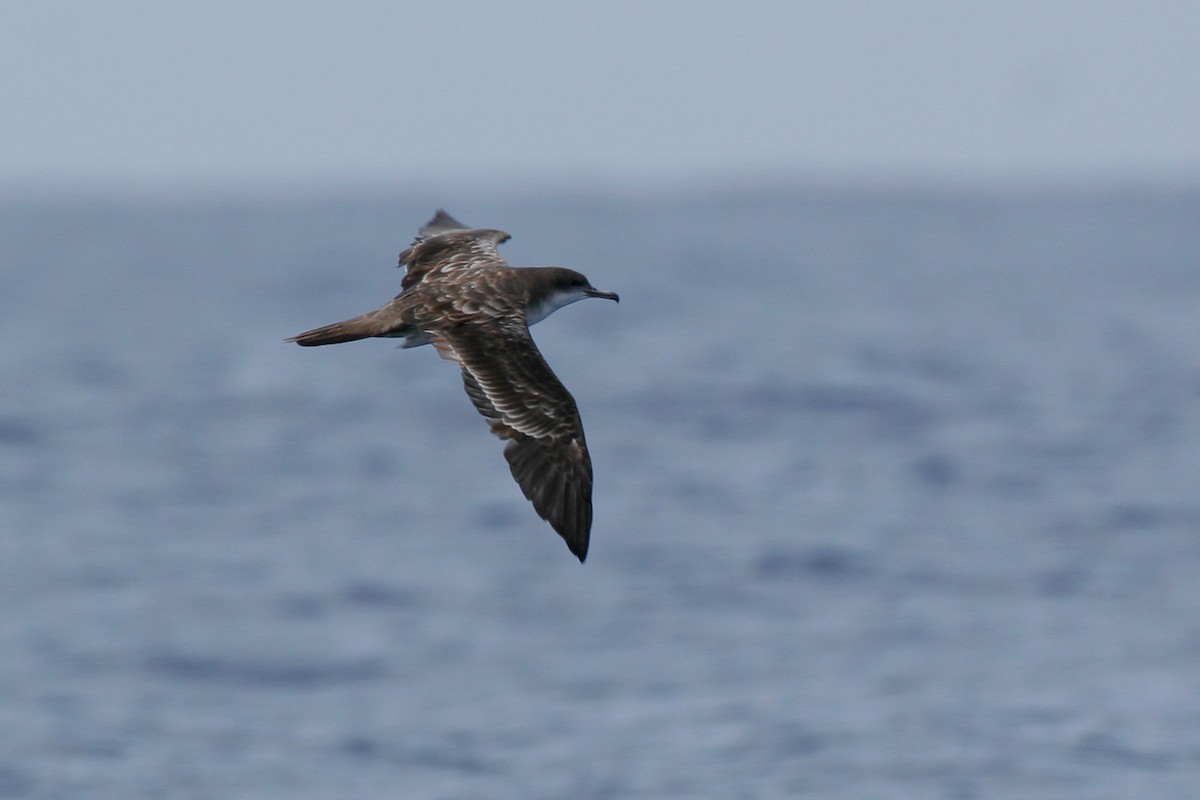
x,y
459,295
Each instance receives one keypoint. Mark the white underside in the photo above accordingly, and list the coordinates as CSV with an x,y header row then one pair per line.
x,y
537,312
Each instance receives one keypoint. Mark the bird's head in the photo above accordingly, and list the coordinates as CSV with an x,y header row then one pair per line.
x,y
555,287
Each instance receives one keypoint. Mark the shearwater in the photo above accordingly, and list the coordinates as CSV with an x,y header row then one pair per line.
x,y
461,296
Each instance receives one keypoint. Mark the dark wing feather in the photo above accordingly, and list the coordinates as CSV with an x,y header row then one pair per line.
x,y
512,386
442,222
447,243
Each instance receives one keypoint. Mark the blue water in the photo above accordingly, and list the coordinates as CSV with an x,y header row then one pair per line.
x,y
897,496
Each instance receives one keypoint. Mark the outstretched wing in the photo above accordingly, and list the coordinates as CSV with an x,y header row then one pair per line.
x,y
512,386
446,243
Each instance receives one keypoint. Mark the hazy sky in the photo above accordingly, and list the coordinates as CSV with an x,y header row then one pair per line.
x,y
236,92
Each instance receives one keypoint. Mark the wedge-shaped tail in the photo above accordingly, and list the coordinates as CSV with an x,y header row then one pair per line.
x,y
350,330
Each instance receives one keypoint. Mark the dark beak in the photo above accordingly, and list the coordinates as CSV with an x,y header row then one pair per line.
x,y
606,295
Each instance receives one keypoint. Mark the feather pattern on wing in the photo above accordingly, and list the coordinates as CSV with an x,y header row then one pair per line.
x,y
446,244
513,387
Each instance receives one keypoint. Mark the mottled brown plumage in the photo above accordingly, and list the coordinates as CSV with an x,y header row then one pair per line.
x,y
459,295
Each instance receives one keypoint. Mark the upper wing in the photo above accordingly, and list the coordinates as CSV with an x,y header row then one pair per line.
x,y
512,386
446,242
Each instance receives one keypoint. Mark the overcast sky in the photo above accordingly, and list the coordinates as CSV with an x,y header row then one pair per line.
x,y
165,93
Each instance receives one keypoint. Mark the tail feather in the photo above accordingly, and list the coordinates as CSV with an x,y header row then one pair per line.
x,y
348,331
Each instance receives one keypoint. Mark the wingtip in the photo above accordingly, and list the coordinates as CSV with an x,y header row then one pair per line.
x,y
441,222
577,540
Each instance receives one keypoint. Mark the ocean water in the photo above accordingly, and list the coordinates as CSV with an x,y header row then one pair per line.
x,y
897,496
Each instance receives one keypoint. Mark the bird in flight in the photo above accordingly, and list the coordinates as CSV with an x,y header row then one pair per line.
x,y
459,295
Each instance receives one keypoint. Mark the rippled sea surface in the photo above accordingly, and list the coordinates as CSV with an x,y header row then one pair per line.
x,y
897,496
